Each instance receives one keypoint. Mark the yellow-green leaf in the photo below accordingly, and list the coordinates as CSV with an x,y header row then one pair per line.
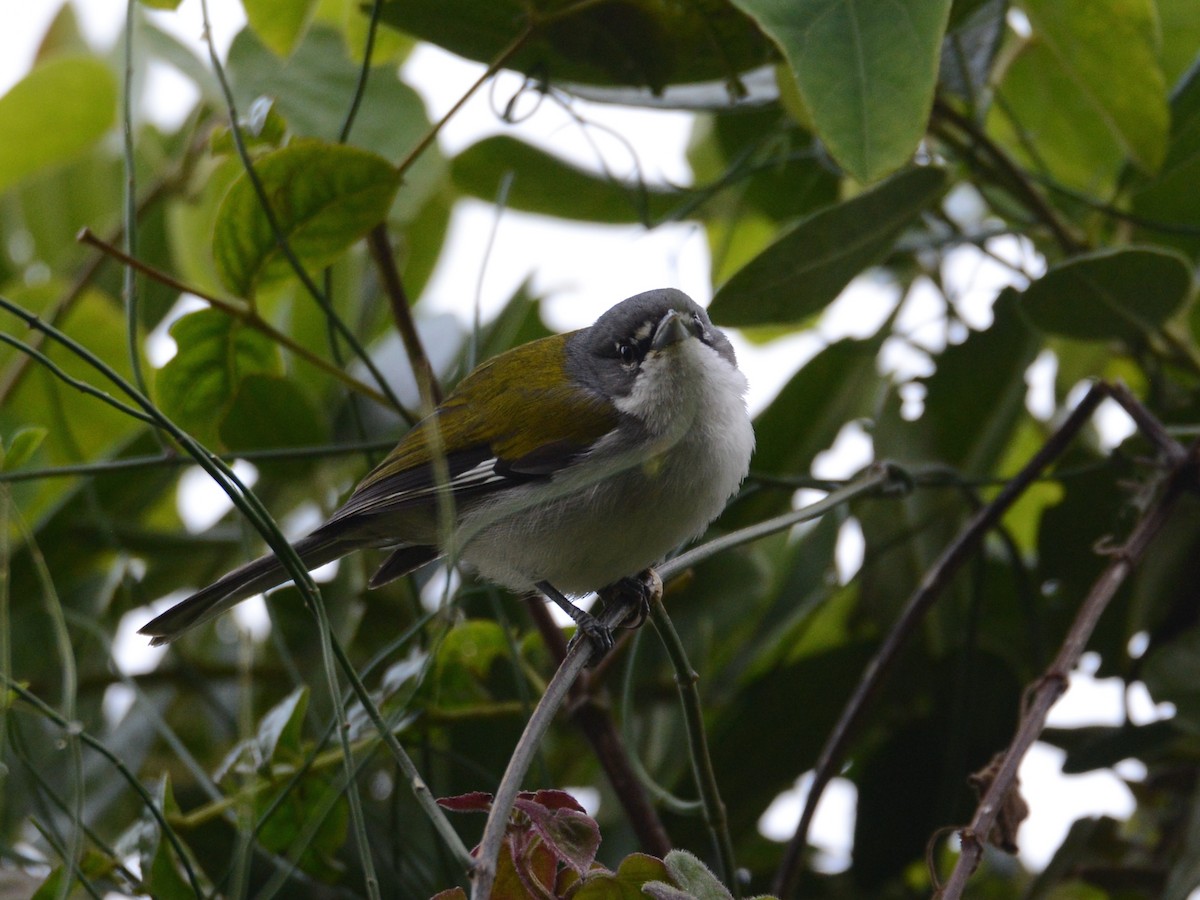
x,y
279,24
54,113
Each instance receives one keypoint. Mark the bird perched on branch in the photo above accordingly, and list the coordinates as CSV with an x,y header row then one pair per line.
x,y
568,464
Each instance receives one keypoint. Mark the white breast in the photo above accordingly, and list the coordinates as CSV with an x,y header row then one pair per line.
x,y
618,512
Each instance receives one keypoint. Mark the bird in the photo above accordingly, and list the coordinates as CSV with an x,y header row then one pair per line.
x,y
567,465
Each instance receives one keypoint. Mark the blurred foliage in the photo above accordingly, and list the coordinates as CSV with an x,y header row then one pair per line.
x,y
889,146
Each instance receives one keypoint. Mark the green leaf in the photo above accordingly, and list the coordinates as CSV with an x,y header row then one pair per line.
x,y
324,197
1169,197
199,385
312,89
21,447
268,411
866,72
696,879
1092,41
808,266
1172,673
626,883
53,114
836,386
1111,294
543,183
279,23
635,42
280,730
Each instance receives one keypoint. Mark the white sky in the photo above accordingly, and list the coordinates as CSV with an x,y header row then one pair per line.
x,y
587,269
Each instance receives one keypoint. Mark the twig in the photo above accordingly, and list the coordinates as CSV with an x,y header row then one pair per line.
x,y
380,246
1047,690
244,314
706,779
1016,180
174,460
483,873
919,603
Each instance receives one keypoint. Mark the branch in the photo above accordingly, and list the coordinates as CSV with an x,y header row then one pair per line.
x,y
935,580
380,246
1183,476
578,653
246,315
1007,173
588,706
706,780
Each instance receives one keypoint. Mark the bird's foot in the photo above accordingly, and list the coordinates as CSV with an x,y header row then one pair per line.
x,y
634,594
589,627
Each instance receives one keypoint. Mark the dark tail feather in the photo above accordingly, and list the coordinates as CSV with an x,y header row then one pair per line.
x,y
231,589
402,561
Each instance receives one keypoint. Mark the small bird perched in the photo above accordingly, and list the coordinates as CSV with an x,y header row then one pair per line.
x,y
567,464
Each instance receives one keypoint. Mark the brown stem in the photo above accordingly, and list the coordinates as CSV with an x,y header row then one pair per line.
x,y
921,600
243,314
380,246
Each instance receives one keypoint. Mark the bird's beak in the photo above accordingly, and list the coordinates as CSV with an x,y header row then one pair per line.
x,y
674,327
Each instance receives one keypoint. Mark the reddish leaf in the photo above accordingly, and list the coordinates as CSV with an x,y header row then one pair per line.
x,y
476,801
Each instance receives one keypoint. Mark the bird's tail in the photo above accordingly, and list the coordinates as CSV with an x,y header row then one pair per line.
x,y
245,581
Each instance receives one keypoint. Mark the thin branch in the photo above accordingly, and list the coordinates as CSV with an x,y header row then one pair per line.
x,y
380,246
483,873
77,383
131,217
693,713
248,316
921,600
493,67
175,460
1181,479
1011,176
364,72
588,706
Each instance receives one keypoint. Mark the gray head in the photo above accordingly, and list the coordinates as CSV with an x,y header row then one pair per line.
x,y
609,355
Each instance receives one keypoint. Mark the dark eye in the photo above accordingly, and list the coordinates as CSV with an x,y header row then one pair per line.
x,y
627,351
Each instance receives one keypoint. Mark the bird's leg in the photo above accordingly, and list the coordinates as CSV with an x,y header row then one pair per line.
x,y
589,626
634,591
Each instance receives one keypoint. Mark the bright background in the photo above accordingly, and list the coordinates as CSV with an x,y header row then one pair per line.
x,y
584,269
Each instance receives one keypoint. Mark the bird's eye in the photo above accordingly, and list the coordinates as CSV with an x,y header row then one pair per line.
x,y
627,352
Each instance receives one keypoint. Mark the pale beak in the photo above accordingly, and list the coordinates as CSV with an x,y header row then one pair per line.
x,y
674,327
